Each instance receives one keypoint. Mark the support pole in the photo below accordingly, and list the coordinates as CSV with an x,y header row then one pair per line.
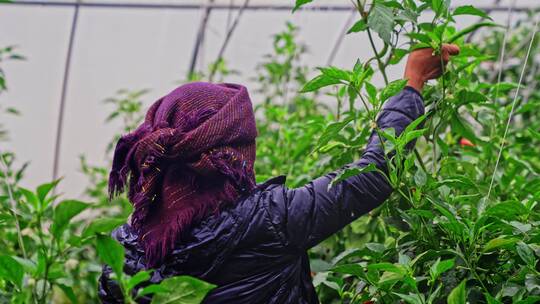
x,y
61,109
340,37
200,38
227,39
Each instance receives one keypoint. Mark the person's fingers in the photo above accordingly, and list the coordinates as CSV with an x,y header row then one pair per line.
x,y
451,49
445,57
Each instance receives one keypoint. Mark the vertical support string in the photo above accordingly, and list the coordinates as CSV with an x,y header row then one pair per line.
x,y
501,148
503,49
61,109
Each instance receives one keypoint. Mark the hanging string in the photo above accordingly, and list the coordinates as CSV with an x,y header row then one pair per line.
x,y
503,49
513,107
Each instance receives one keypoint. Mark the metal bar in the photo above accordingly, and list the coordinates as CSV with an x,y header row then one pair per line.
x,y
200,38
222,6
61,110
226,40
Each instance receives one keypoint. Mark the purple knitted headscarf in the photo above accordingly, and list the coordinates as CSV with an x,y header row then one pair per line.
x,y
193,154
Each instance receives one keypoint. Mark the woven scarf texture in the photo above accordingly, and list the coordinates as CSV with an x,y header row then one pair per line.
x,y
192,155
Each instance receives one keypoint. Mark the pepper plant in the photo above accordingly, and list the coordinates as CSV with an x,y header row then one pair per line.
x,y
440,238
445,238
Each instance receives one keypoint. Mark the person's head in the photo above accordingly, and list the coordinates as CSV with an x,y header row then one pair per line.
x,y
193,154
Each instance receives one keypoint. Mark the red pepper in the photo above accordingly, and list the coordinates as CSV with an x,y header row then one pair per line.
x,y
466,143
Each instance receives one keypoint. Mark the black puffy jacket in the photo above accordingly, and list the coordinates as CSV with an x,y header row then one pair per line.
x,y
256,250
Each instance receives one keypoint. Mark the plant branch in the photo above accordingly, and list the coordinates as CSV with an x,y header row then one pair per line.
x,y
5,171
382,68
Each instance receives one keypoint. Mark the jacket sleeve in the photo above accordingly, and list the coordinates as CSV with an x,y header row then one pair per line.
x,y
307,215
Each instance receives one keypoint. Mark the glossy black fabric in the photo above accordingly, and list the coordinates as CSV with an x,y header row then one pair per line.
x,y
256,251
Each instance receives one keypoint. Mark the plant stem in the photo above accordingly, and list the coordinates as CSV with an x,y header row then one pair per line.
x,y
382,68
420,161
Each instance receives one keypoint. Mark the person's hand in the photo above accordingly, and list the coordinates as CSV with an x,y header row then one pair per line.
x,y
423,65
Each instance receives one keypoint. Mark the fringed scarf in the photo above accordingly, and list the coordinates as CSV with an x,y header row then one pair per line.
x,y
193,154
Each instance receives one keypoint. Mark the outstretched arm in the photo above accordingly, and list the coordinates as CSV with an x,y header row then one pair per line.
x,y
311,213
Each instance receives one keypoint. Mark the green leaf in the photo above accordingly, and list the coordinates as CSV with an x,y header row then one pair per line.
x,y
499,242
381,20
534,133
318,82
389,134
507,210
351,171
395,268
458,295
466,97
388,279
523,228
111,253
470,29
13,111
68,291
28,265
470,10
151,289
359,26
102,225
420,177
353,269
440,6
414,125
332,130
30,197
454,225
376,247
529,300
491,300
11,270
411,298
411,135
397,56
371,90
462,128
299,3
423,38
319,265
439,267
392,89
526,254
182,290
63,213
43,190
138,278
336,73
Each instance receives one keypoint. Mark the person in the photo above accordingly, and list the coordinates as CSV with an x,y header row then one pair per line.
x,y
197,209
